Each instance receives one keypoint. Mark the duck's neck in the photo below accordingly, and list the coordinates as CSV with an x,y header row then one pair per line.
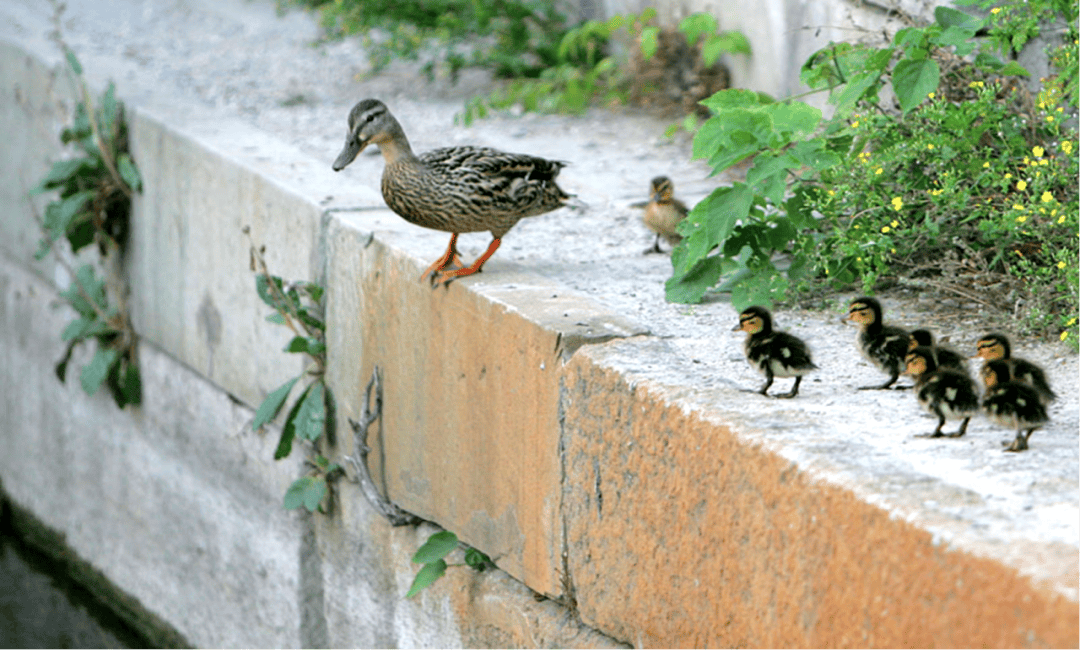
x,y
396,148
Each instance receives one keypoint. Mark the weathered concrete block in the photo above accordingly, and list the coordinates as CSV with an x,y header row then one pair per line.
x,y
177,501
681,532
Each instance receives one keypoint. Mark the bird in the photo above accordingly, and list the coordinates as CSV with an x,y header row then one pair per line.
x,y
663,213
883,345
995,346
453,189
943,356
946,392
775,354
1011,403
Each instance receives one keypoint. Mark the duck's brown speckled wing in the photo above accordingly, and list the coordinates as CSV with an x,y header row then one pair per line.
x,y
470,189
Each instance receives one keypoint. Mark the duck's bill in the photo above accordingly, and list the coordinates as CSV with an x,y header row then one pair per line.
x,y
347,155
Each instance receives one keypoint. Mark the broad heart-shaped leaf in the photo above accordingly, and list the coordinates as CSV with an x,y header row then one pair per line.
x,y
949,17
914,80
427,575
310,420
690,287
698,24
814,154
769,174
270,406
793,118
307,491
436,547
95,372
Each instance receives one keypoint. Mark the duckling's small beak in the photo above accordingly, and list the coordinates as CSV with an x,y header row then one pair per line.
x,y
348,154
737,328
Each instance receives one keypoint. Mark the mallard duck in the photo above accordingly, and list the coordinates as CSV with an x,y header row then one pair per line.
x,y
996,346
943,356
883,345
946,392
775,354
454,189
663,212
1011,403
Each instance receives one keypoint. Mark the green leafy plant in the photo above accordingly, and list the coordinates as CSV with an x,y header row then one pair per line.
x,y
585,72
432,555
965,184
94,188
299,306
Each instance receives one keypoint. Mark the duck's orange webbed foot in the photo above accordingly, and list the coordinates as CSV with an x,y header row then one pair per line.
x,y
449,258
446,277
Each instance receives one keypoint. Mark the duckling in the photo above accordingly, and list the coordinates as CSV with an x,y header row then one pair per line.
x,y
453,189
663,213
996,346
883,345
945,392
943,356
775,354
1012,403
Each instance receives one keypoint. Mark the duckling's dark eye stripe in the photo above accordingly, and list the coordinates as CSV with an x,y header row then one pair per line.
x,y
983,346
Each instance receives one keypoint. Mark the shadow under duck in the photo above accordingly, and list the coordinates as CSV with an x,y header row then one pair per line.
x,y
774,354
946,392
995,346
1012,403
883,345
663,213
453,189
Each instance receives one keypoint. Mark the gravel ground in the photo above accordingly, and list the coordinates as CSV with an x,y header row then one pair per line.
x,y
242,60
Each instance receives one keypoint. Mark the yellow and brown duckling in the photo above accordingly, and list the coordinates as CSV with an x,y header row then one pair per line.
x,y
996,346
946,392
454,189
774,354
1012,404
883,345
943,356
663,212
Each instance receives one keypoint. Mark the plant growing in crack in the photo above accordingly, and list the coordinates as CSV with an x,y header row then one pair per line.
x,y
432,554
299,306
93,204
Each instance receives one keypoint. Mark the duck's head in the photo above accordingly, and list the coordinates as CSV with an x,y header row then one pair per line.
x,y
920,337
369,121
753,320
993,346
919,362
996,372
661,189
864,311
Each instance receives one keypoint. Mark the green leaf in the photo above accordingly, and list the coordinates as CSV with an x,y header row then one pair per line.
x,y
307,491
270,407
86,278
949,17
268,295
84,328
438,546
76,67
288,431
128,385
690,287
914,80
698,24
129,172
310,420
95,372
477,560
1015,69
60,173
427,576
306,344
277,318
649,42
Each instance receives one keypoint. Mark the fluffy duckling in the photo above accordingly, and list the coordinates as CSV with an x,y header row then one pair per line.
x,y
453,189
1012,403
883,345
945,392
996,346
943,356
663,212
775,354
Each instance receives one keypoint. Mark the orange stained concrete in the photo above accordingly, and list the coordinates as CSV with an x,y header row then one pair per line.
x,y
470,413
681,535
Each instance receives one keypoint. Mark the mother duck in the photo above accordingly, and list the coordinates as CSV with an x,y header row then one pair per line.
x,y
453,189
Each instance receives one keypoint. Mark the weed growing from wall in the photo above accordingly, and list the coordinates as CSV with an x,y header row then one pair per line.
x,y
92,209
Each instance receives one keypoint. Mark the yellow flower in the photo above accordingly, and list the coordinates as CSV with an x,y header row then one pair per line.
x,y
1049,118
897,203
1008,176
931,95
1067,146
930,146
885,229
1072,321
1061,219
1017,206
1046,197
894,223
1021,185
995,10
986,164
1061,265
878,170
1021,219
1044,161
855,124
1065,335
1038,151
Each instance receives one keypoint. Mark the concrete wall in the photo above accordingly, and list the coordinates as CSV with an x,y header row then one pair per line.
x,y
512,416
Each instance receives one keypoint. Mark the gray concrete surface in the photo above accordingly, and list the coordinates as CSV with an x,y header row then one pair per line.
x,y
250,86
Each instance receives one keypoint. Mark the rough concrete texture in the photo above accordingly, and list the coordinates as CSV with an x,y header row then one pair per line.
x,y
167,500
838,502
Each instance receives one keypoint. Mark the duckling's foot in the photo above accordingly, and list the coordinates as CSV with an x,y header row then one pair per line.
x,y
794,390
1020,443
655,247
